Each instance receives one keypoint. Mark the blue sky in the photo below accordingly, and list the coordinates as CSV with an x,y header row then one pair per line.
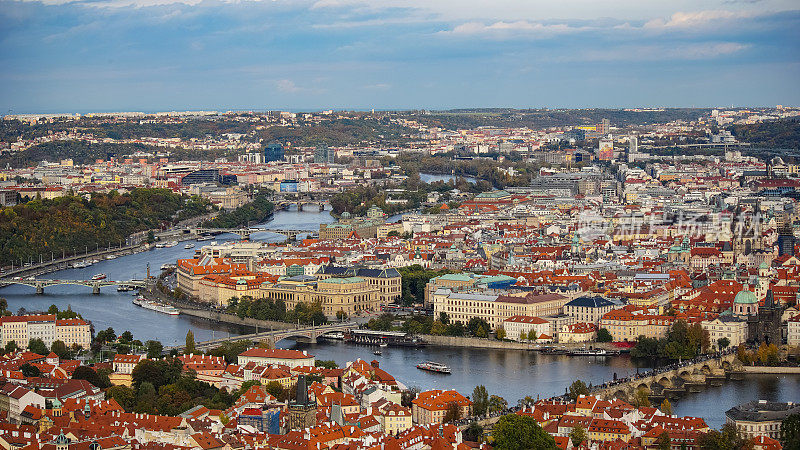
x,y
147,55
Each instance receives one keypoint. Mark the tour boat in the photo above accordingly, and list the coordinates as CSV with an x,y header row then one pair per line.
x,y
188,246
171,244
98,277
434,367
377,352
153,306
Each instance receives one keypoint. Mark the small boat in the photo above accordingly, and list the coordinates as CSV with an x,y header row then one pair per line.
x,y
168,266
377,352
434,367
384,344
188,246
161,245
79,265
111,257
171,244
98,277
204,238
591,352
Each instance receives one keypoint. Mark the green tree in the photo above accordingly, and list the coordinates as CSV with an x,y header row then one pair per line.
x,y
790,432
664,442
474,432
190,347
480,400
723,343
516,432
497,404
37,345
500,333
87,373
444,318
275,389
28,370
727,438
603,335
11,347
577,388
154,349
123,395
577,435
127,337
328,364
60,349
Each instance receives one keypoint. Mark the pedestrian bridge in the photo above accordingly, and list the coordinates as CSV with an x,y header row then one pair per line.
x,y
307,334
39,285
671,381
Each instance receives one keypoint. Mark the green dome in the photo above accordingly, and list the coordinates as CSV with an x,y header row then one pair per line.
x,y
745,297
763,265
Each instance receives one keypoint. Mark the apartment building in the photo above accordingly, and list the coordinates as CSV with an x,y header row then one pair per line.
x,y
21,329
494,308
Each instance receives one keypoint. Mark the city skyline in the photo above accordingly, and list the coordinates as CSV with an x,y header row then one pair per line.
x,y
150,55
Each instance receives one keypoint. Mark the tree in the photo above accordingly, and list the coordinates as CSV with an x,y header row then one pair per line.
x,y
274,389
474,432
444,318
664,442
728,438
408,396
123,395
790,432
327,364
516,432
11,347
37,345
89,374
154,349
577,435
190,347
480,400
641,398
603,335
60,349
478,327
127,336
53,309
666,407
29,370
577,388
452,414
723,343
497,404
500,333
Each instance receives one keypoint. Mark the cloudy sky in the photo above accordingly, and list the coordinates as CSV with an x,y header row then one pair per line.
x,y
148,55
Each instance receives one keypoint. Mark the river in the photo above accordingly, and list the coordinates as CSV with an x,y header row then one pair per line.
x,y
510,374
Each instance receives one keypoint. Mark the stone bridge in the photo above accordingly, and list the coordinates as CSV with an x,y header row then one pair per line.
x,y
671,382
39,285
306,334
245,233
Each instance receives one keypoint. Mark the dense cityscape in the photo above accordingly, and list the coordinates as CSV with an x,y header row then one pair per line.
x,y
658,242
399,225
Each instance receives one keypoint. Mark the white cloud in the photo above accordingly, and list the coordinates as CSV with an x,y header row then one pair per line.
x,y
697,19
512,28
698,51
286,85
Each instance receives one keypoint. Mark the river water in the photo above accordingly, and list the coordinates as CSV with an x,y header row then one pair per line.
x,y
510,374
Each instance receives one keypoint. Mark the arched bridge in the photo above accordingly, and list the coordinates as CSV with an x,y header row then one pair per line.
x,y
39,285
245,233
673,381
308,334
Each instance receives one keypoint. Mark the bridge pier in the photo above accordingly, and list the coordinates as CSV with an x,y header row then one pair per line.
x,y
95,289
299,206
322,207
39,290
